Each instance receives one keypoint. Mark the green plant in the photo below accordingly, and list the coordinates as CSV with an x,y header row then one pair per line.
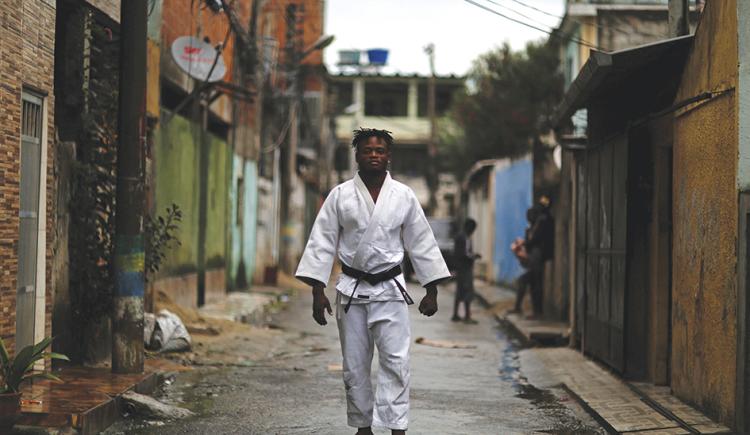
x,y
93,188
160,235
14,371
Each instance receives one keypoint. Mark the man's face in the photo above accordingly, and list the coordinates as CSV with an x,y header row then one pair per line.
x,y
373,155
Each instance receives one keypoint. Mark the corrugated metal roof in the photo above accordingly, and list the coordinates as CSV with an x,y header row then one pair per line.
x,y
604,72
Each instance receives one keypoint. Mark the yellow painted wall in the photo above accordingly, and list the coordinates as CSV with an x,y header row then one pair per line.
x,y
705,210
589,33
153,78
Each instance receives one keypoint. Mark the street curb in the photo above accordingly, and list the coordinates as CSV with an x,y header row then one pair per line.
x,y
589,410
513,329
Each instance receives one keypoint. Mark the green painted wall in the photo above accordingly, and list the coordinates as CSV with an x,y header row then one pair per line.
x,y
176,168
176,181
218,202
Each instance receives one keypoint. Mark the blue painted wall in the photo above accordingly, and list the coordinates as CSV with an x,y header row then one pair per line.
x,y
513,196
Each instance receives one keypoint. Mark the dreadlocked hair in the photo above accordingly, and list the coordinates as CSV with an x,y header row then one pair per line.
x,y
362,134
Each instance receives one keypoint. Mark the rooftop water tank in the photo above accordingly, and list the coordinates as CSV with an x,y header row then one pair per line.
x,y
377,56
349,57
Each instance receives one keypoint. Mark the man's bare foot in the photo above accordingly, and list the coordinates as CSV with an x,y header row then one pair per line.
x,y
398,432
364,431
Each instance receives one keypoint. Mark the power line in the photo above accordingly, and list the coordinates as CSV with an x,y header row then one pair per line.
x,y
518,13
586,23
553,34
529,18
536,9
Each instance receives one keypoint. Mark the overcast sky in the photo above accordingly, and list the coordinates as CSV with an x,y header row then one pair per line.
x,y
459,30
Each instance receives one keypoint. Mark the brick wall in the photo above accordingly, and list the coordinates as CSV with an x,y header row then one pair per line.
x,y
27,35
179,19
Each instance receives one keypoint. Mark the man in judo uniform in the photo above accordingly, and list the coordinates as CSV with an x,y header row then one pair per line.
x,y
369,222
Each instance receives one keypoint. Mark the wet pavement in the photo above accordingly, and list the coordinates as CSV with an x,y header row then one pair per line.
x,y
297,388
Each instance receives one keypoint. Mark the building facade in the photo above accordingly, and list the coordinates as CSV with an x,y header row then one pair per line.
x,y
397,103
27,147
709,360
497,194
587,26
658,223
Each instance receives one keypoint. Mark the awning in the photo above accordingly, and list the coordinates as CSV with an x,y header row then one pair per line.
x,y
605,73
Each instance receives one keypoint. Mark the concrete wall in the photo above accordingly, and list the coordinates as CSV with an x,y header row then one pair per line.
x,y
743,170
624,29
176,159
704,293
498,198
176,180
480,208
219,170
266,230
241,261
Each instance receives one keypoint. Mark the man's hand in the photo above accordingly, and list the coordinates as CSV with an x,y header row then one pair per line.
x,y
429,305
320,305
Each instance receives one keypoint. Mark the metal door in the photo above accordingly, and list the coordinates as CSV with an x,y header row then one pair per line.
x,y
602,211
28,234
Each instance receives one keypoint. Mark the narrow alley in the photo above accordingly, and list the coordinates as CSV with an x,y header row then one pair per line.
x,y
297,389
187,187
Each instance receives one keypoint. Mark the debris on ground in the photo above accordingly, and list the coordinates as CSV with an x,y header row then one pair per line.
x,y
220,342
203,329
445,344
165,332
151,408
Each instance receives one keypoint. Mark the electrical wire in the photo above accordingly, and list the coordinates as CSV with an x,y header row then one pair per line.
x,y
519,13
529,18
282,134
586,23
550,33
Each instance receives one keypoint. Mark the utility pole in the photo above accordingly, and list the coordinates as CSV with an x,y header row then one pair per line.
x,y
432,181
679,18
293,55
289,209
127,321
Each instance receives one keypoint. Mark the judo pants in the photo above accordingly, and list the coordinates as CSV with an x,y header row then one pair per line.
x,y
384,325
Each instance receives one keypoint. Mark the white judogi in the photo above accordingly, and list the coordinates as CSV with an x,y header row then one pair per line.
x,y
372,237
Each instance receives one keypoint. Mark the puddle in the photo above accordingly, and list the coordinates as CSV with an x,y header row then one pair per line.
x,y
509,371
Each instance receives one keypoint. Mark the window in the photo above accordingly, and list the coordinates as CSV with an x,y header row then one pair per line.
x,y
386,99
410,160
342,95
443,98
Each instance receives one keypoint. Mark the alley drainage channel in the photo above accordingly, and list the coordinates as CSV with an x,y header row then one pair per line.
x,y
556,403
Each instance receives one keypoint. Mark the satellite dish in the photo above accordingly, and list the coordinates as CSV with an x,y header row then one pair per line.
x,y
195,57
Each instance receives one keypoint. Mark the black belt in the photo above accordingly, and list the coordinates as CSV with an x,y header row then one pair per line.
x,y
374,278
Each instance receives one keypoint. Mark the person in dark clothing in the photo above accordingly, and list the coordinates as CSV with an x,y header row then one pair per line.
x,y
536,248
464,264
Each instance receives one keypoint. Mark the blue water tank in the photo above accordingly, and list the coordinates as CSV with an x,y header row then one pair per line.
x,y
377,56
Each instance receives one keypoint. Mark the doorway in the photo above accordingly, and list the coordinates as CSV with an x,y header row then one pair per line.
x,y
31,239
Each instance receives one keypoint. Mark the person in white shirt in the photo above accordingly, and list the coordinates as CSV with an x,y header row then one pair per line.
x,y
368,222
